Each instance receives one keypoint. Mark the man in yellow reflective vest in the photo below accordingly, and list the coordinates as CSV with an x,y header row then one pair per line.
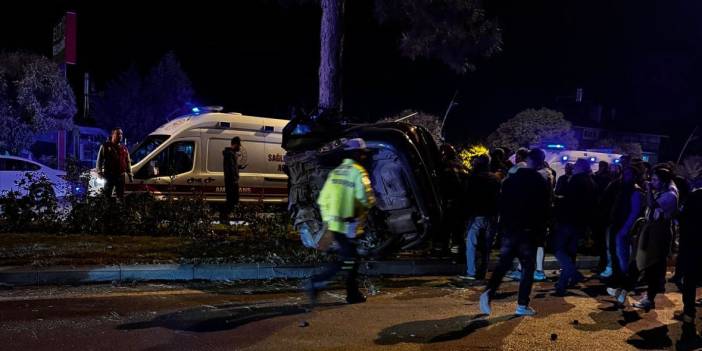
x,y
344,202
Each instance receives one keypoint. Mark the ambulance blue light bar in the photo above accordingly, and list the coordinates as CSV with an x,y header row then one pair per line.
x,y
555,146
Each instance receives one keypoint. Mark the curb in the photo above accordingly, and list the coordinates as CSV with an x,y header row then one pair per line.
x,y
60,275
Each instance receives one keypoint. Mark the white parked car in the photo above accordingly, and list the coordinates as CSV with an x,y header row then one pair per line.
x,y
13,169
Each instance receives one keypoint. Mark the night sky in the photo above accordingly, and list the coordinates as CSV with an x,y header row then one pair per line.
x,y
642,58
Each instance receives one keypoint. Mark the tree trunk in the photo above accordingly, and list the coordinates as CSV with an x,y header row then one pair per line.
x,y
331,39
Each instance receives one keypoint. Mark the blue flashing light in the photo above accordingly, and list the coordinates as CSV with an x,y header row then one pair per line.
x,y
196,110
564,158
555,146
593,159
617,161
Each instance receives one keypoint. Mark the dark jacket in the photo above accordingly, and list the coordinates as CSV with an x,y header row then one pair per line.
x,y
691,229
482,192
602,180
579,202
525,202
231,168
561,183
113,160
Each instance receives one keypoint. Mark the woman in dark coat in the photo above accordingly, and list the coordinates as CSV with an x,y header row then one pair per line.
x,y
656,237
627,209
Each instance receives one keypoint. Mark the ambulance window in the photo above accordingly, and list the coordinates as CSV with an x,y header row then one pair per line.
x,y
146,147
178,158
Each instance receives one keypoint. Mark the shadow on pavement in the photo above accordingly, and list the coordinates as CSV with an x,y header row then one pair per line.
x,y
661,337
432,331
219,318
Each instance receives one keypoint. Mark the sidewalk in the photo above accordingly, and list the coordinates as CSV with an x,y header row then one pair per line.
x,y
60,275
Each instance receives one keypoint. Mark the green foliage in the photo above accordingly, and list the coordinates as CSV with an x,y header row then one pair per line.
x,y
33,206
691,167
533,127
139,104
34,98
455,32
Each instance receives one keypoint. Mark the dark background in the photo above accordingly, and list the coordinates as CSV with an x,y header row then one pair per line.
x,y
260,57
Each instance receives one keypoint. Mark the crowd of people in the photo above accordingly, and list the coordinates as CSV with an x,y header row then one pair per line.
x,y
632,211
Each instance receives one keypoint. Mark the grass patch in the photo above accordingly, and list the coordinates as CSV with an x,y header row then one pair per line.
x,y
55,249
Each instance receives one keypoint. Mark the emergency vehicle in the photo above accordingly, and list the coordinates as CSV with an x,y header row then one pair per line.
x,y
558,156
184,157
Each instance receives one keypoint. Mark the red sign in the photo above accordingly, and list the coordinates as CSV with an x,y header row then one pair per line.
x,y
65,40
71,38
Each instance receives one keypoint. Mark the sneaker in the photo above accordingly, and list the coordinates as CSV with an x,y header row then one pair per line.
x,y
579,278
607,273
644,304
485,302
467,277
613,292
523,310
515,275
621,298
539,276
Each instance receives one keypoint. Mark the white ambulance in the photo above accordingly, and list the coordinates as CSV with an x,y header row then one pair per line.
x,y
184,157
557,157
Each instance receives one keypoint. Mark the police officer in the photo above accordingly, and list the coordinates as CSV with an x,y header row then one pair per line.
x,y
344,202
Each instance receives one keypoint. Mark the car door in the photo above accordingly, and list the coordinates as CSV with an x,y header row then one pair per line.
x,y
172,170
275,181
15,172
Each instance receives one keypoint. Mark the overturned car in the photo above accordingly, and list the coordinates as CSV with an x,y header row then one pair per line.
x,y
405,171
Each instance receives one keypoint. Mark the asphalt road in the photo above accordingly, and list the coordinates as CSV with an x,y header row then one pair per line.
x,y
432,313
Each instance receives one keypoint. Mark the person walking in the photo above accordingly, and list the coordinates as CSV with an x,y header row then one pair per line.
x,y
344,202
483,190
575,211
524,210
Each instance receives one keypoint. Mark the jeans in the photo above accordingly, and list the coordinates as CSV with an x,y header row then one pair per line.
x,y
347,260
479,237
623,250
566,246
515,243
